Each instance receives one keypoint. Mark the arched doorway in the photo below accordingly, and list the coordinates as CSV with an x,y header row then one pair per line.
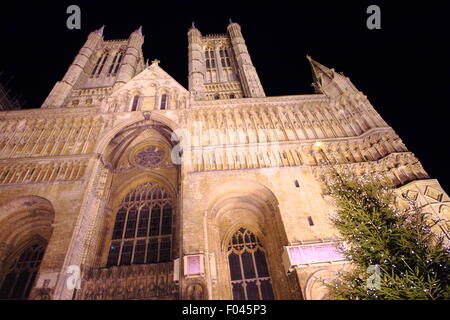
x,y
246,234
26,226
132,255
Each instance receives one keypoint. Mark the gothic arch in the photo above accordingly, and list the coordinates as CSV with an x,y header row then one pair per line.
x,y
106,140
24,216
150,194
315,288
235,227
140,179
249,205
138,90
24,221
124,150
163,89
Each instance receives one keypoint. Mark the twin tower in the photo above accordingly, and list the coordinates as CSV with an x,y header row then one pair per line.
x,y
220,66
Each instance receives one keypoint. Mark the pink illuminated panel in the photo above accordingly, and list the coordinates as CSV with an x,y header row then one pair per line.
x,y
193,265
320,252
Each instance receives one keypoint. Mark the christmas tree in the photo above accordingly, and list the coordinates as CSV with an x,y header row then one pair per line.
x,y
394,253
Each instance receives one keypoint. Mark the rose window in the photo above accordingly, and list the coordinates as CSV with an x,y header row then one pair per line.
x,y
150,157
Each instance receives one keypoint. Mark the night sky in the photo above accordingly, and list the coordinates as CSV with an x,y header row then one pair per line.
x,y
402,68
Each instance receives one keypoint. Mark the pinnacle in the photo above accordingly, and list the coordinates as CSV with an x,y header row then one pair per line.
x,y
100,31
139,30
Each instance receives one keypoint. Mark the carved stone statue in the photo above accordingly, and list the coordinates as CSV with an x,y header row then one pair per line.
x,y
195,292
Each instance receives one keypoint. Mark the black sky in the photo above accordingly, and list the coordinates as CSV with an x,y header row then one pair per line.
x,y
402,68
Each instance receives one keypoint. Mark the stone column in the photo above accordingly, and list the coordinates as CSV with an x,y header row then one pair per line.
x,y
79,245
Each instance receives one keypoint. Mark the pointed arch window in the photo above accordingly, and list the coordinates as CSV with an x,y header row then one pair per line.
x,y
143,228
163,102
96,65
211,69
119,62
225,58
116,63
111,68
249,273
22,273
135,103
210,59
100,64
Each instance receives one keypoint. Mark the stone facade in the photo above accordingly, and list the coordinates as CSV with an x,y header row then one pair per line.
x,y
227,156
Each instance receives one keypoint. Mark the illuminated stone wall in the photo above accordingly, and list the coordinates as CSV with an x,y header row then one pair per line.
x,y
246,161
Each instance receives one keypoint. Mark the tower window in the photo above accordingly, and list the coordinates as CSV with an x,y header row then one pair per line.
x,y
143,228
135,103
310,221
96,65
115,63
119,61
163,102
111,68
297,185
210,59
102,64
224,58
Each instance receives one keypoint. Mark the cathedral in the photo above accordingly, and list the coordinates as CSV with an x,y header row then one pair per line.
x,y
126,185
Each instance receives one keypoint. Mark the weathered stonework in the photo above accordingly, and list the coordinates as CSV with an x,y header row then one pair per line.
x,y
248,161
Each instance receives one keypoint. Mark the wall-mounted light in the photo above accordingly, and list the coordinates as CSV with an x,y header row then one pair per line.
x,y
318,144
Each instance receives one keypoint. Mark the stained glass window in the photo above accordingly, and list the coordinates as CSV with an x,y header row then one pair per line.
x,y
143,228
250,279
150,157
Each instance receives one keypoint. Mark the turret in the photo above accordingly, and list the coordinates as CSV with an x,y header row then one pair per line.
x,y
220,66
247,73
62,88
130,61
196,63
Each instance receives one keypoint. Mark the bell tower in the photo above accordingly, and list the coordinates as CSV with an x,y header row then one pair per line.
x,y
220,66
99,67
